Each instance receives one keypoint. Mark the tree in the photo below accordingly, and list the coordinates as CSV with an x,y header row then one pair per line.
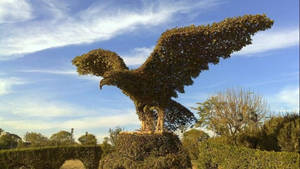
x,y
62,138
106,147
191,139
9,141
113,135
289,134
281,133
179,56
88,139
232,112
36,139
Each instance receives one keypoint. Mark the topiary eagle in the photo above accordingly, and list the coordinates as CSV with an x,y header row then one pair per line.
x,y
179,56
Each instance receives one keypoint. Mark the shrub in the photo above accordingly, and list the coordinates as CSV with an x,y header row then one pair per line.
x,y
213,154
144,151
36,139
190,141
87,139
281,133
62,138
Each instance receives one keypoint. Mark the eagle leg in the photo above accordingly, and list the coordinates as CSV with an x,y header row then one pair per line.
x,y
160,121
147,120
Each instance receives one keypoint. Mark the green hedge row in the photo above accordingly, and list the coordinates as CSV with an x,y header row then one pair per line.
x,y
50,157
220,156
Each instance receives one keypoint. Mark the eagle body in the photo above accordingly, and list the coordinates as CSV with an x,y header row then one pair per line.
x,y
179,56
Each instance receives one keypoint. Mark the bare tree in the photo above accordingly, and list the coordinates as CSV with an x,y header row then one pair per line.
x,y
232,112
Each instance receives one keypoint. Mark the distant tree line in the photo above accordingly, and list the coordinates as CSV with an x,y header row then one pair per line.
x,y
61,138
34,139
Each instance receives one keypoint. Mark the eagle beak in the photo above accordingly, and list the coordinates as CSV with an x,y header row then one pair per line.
x,y
102,83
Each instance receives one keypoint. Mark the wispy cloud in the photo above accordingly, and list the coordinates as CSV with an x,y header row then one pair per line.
x,y
33,107
68,72
138,56
6,84
271,40
58,72
123,119
12,11
97,23
286,99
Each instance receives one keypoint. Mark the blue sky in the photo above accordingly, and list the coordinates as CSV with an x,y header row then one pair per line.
x,y
40,90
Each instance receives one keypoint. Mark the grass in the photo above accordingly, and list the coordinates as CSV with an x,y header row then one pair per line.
x,y
72,164
77,164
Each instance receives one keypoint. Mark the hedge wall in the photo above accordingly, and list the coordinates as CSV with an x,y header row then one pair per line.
x,y
50,157
220,156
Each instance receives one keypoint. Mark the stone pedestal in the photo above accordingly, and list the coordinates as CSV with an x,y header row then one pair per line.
x,y
147,151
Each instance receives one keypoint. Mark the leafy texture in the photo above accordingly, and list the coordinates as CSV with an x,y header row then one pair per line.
x,y
36,139
190,141
280,133
144,151
218,155
180,55
50,157
62,138
87,139
232,113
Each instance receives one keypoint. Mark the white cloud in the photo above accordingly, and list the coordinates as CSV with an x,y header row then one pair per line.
x,y
14,11
290,96
121,119
138,56
58,72
127,118
6,84
37,107
96,23
271,40
63,72
286,99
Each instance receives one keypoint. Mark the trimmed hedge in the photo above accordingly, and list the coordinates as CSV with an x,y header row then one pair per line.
x,y
220,156
50,157
147,151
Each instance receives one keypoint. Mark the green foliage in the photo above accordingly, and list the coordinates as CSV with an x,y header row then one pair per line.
x,y
36,139
180,55
144,151
50,157
113,135
232,113
88,139
218,155
97,62
191,140
62,138
289,135
9,141
281,133
106,147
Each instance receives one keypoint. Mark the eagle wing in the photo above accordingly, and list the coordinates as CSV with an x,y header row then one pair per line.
x,y
176,115
182,53
97,62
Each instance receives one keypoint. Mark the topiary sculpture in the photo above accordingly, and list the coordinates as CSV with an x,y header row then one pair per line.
x,y
180,55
